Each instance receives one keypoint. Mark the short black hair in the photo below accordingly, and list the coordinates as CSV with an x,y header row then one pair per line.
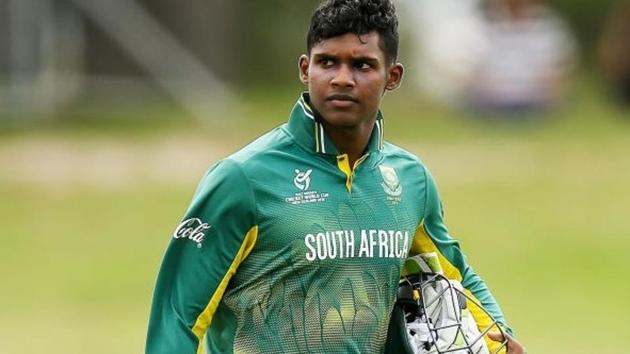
x,y
334,18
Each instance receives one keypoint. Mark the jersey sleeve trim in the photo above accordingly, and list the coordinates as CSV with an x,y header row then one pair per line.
x,y
423,241
205,318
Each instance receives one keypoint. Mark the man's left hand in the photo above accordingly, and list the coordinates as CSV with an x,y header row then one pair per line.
x,y
513,346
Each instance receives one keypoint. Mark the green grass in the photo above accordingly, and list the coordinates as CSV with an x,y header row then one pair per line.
x,y
540,209
78,266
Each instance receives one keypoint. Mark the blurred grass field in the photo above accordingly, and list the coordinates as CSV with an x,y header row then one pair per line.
x,y
541,209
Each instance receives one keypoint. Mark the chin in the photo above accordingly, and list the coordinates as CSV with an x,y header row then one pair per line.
x,y
342,119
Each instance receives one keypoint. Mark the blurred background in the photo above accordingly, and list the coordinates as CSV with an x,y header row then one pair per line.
x,y
110,111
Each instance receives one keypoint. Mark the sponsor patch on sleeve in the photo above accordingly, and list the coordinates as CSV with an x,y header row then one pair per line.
x,y
193,229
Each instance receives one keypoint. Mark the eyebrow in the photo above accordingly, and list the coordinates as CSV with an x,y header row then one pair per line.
x,y
368,59
323,56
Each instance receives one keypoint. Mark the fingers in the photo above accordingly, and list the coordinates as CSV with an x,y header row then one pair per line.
x,y
513,346
496,336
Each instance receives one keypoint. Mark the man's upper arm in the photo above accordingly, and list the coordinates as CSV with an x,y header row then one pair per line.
x,y
433,236
216,234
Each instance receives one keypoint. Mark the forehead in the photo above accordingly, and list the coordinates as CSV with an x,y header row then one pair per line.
x,y
351,45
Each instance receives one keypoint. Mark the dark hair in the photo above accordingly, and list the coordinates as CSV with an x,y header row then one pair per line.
x,y
334,18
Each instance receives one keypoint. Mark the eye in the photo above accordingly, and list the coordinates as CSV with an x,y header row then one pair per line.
x,y
362,65
326,62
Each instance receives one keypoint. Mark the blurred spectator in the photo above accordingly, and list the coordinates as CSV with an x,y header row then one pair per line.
x,y
451,43
529,55
615,51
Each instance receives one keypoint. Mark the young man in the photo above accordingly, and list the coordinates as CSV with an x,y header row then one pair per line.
x,y
295,243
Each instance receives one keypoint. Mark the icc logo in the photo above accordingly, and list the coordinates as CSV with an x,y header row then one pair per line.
x,y
302,180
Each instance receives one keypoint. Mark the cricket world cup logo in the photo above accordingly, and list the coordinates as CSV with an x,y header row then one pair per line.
x,y
302,180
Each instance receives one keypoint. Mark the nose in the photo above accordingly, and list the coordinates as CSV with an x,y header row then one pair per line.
x,y
343,77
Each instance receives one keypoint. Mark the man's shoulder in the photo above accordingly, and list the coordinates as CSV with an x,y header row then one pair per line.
x,y
261,157
262,147
251,160
392,151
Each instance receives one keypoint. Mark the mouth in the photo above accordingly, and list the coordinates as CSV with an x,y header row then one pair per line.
x,y
342,98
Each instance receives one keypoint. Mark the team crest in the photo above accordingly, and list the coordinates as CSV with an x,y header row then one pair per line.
x,y
391,184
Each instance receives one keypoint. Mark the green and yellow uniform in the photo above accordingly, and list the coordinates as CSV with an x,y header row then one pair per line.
x,y
287,249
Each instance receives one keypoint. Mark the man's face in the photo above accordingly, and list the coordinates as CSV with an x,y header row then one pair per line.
x,y
347,77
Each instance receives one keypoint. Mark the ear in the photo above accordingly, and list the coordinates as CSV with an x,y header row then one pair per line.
x,y
303,65
394,76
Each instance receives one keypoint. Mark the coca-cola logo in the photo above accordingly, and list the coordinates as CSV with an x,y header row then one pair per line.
x,y
192,229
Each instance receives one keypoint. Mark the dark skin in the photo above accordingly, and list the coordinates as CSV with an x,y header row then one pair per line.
x,y
513,346
347,77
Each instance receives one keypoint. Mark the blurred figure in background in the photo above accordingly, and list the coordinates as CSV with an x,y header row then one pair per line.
x,y
450,45
615,51
527,62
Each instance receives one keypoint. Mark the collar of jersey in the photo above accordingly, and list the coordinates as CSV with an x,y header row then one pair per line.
x,y
304,125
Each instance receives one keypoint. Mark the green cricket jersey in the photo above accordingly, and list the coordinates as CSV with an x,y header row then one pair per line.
x,y
287,249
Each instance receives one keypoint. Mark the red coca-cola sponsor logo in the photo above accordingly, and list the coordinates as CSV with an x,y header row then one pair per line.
x,y
192,229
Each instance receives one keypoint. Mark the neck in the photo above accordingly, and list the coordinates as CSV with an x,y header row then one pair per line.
x,y
352,141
